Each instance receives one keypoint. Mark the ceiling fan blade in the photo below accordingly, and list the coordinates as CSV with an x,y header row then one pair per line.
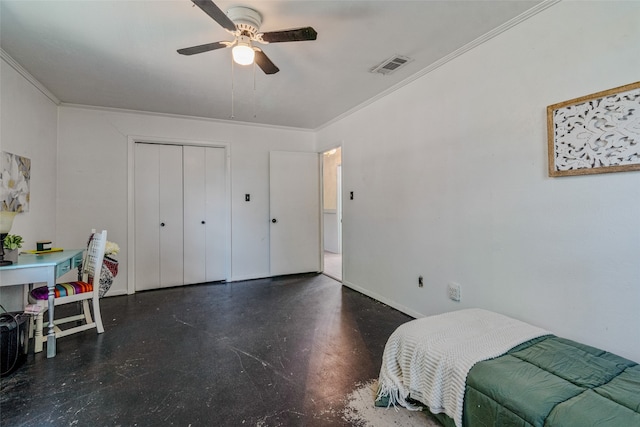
x,y
265,63
202,48
214,12
295,35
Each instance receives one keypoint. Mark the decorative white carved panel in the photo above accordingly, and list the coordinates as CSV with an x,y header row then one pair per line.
x,y
595,134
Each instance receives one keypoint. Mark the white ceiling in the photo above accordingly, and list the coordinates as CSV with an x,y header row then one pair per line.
x,y
122,53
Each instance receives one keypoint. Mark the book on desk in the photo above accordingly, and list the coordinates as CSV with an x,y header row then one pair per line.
x,y
46,251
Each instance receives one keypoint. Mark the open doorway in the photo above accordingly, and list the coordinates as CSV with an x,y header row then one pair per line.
x,y
332,212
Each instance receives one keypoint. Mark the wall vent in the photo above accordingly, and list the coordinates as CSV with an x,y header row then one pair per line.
x,y
391,65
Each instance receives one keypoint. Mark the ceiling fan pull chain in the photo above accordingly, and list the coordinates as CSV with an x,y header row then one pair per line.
x,y
254,90
232,90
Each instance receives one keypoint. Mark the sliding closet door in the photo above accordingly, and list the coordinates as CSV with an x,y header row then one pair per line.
x,y
216,212
147,216
158,216
171,216
195,223
204,214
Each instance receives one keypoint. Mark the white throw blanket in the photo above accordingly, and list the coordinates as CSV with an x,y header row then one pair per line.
x,y
429,358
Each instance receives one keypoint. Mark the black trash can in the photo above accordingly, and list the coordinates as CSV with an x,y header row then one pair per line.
x,y
14,341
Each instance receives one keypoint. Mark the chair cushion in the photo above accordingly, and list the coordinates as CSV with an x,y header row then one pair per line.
x,y
62,290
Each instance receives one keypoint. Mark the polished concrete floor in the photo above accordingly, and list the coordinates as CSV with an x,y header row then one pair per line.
x,y
271,352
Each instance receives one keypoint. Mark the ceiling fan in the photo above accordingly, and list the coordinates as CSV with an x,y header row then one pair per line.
x,y
244,23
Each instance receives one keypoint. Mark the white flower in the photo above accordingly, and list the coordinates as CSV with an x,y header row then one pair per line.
x,y
111,248
14,182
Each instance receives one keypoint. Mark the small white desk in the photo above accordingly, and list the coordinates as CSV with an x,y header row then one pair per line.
x,y
45,268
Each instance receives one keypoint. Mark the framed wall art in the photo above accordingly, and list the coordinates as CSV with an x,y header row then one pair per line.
x,y
597,133
15,174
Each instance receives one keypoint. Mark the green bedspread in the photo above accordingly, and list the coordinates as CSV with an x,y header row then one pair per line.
x,y
551,381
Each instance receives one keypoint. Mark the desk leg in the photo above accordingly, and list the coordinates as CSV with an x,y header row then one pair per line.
x,y
51,336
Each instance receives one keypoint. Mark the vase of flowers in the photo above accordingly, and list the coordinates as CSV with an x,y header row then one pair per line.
x,y
11,244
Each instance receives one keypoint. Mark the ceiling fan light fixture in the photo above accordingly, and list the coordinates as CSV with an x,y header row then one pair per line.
x,y
243,53
244,23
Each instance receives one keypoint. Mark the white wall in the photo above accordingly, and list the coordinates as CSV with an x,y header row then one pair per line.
x,y
82,183
449,175
92,179
450,182
28,128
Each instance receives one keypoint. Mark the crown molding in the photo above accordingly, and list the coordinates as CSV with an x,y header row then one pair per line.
x,y
450,57
24,73
181,116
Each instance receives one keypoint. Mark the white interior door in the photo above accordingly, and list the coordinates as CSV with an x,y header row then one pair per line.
x,y
147,216
216,214
339,207
294,185
171,216
195,225
158,216
204,214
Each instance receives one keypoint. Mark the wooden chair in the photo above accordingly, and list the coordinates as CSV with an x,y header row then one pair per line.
x,y
83,290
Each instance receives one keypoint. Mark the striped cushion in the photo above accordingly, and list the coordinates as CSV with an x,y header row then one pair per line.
x,y
62,290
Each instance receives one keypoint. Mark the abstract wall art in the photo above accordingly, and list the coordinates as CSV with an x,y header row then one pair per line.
x,y
15,173
597,133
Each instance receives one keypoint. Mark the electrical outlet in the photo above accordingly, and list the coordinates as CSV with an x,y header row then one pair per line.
x,y
420,281
453,290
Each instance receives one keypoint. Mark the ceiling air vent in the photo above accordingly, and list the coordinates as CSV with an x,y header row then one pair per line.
x,y
391,65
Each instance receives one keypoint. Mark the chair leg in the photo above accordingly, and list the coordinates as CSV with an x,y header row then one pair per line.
x,y
97,315
32,326
37,336
86,312
81,309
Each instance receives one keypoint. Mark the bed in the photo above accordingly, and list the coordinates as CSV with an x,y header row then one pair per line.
x,y
478,368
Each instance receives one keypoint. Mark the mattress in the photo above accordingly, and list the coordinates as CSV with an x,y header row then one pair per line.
x,y
551,381
428,359
548,381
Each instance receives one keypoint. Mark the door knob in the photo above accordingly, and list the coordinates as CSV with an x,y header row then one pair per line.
x,y
274,220
202,222
162,224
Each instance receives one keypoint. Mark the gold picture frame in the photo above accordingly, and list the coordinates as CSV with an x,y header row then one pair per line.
x,y
597,133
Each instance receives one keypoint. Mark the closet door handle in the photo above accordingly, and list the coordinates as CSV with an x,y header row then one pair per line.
x,y
274,220
202,222
162,224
